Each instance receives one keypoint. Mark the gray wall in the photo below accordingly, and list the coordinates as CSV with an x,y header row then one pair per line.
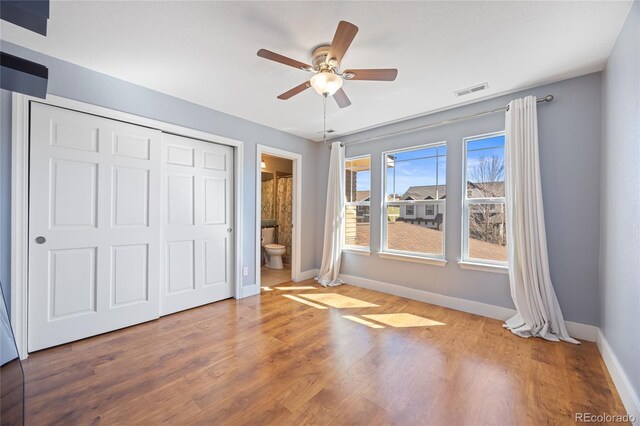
x,y
620,189
74,82
569,129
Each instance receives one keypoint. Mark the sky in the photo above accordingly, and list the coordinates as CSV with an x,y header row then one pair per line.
x,y
418,167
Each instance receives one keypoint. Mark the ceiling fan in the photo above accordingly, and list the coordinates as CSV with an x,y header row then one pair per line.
x,y
327,79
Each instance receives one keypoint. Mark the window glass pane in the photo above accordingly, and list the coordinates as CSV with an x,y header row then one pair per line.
x,y
487,232
485,167
357,225
358,190
417,175
416,154
486,143
418,234
358,179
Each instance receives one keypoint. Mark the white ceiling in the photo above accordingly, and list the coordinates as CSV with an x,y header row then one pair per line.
x,y
205,52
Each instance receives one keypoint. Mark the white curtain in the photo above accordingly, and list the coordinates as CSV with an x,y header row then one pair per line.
x,y
333,220
538,311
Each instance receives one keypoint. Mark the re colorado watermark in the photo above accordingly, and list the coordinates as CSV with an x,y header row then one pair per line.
x,y
603,418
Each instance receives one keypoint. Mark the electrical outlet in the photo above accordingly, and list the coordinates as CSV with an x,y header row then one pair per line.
x,y
245,271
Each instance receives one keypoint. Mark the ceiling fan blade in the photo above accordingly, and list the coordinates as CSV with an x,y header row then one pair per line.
x,y
388,74
341,99
342,40
272,56
290,93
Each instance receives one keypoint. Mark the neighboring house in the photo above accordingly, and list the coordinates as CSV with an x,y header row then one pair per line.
x,y
431,215
363,212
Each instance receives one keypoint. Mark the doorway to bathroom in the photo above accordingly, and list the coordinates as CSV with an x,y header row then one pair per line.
x,y
278,214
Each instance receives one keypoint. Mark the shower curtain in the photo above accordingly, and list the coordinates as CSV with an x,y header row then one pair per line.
x,y
267,199
284,217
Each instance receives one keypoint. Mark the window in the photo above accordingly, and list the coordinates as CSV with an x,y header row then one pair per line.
x,y
357,203
415,184
484,218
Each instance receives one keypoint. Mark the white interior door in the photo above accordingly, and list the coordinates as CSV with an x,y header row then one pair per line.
x,y
94,225
198,218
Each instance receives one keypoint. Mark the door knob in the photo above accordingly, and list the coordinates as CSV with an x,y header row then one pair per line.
x,y
41,240
229,229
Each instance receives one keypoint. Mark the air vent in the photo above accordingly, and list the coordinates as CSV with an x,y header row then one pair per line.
x,y
470,90
328,131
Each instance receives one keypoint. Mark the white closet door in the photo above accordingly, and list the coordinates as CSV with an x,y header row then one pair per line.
x,y
198,219
94,225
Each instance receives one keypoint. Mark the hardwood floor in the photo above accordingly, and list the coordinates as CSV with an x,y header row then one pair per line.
x,y
277,360
269,277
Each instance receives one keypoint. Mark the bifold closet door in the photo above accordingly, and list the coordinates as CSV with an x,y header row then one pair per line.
x,y
94,225
198,220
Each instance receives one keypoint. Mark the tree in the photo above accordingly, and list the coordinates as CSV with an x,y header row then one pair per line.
x,y
486,180
487,177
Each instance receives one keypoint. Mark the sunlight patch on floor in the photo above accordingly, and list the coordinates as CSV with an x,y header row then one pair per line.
x,y
362,321
302,287
403,320
306,302
266,288
338,301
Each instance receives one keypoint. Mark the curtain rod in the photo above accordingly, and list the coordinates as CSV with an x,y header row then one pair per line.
x,y
547,98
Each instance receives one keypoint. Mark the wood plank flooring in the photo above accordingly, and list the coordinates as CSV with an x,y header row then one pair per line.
x,y
269,277
276,360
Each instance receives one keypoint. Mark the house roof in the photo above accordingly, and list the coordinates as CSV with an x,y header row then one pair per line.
x,y
474,190
485,189
425,192
362,195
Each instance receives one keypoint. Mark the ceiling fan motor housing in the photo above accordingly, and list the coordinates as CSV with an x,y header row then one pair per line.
x,y
320,59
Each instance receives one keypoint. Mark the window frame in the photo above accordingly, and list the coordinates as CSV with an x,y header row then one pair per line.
x,y
356,204
420,257
466,202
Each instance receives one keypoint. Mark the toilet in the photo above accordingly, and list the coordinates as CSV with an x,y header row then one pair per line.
x,y
272,252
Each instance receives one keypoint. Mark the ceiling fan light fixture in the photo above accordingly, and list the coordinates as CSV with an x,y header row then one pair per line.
x,y
326,82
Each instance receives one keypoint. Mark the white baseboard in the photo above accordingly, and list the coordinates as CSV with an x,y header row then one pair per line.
x,y
582,331
307,275
577,330
628,395
249,290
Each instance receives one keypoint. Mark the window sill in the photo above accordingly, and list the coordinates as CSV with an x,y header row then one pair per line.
x,y
358,251
484,267
410,258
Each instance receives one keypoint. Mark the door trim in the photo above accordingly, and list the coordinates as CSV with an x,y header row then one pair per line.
x,y
20,194
297,209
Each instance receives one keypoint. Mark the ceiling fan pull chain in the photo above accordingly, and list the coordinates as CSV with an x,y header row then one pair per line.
x,y
324,124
